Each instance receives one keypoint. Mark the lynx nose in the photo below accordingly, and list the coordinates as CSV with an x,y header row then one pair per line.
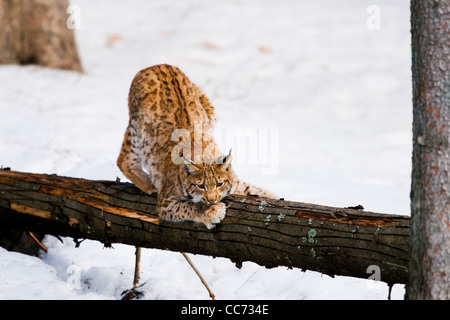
x,y
211,200
212,197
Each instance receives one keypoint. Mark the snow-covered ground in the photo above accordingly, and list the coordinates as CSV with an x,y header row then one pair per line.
x,y
329,96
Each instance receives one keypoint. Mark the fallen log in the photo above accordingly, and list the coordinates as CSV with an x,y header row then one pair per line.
x,y
271,233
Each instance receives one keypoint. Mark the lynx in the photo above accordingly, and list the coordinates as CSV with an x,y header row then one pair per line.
x,y
190,184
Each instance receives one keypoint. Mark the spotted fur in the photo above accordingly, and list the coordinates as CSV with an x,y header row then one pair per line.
x,y
162,100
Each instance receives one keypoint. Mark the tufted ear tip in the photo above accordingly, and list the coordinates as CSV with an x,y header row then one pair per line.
x,y
225,161
189,166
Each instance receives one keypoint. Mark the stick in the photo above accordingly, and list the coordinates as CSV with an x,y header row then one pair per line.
x,y
137,267
37,241
211,294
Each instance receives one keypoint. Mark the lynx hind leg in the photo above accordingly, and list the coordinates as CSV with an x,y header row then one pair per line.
x,y
245,188
130,163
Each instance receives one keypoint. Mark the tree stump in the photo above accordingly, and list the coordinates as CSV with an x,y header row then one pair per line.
x,y
36,32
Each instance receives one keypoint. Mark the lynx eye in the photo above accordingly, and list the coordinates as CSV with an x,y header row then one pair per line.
x,y
220,184
201,186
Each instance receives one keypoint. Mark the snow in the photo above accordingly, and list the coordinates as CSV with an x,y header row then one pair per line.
x,y
330,97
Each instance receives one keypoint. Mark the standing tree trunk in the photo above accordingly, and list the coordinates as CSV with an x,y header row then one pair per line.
x,y
36,32
429,266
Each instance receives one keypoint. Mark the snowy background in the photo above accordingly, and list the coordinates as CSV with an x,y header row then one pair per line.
x,y
335,92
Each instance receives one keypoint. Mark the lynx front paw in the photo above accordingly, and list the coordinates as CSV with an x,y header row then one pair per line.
x,y
214,214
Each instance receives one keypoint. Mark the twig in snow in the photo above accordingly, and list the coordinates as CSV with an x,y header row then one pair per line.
x,y
211,294
37,241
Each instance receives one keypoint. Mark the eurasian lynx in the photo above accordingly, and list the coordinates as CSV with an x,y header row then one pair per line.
x,y
168,115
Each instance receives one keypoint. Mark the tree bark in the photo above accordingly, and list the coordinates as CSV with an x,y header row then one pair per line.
x,y
430,190
271,233
36,32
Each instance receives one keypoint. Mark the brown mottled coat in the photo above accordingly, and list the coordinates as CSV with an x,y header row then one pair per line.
x,y
168,115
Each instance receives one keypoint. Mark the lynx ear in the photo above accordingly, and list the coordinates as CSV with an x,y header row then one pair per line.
x,y
225,161
189,166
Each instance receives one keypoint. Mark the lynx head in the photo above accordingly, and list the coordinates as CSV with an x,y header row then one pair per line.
x,y
208,182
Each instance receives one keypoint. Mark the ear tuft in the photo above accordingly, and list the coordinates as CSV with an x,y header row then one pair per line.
x,y
224,161
189,166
